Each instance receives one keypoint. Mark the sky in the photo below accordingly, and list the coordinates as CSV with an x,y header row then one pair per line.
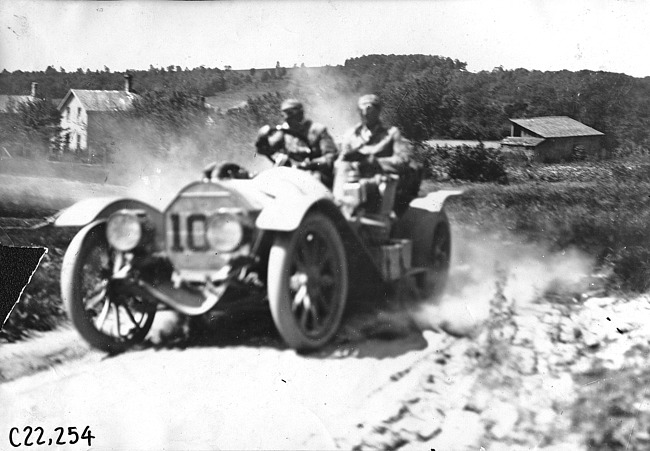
x,y
609,35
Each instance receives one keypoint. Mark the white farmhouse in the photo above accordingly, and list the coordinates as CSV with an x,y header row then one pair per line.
x,y
82,111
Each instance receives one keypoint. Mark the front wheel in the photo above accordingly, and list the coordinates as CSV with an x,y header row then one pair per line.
x,y
106,318
308,282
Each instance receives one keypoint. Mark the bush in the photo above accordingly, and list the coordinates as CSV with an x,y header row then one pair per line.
x,y
477,164
32,131
631,265
610,413
472,164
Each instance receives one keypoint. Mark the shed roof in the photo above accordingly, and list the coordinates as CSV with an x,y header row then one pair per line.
x,y
7,101
96,100
556,127
525,141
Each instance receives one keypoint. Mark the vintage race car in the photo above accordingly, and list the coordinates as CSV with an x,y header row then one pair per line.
x,y
281,232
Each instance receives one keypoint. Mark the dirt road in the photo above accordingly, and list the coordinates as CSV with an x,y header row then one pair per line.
x,y
393,379
225,395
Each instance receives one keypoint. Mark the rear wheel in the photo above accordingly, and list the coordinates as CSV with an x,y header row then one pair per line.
x,y
431,282
308,282
108,319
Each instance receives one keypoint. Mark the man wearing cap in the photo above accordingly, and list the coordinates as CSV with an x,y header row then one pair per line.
x,y
381,150
299,142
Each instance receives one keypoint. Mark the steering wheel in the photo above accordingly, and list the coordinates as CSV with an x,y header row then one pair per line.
x,y
225,171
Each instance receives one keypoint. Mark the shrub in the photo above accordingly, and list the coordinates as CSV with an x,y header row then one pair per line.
x,y
610,413
631,265
468,163
477,164
33,130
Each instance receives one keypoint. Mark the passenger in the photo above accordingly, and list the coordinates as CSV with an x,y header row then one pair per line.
x,y
381,150
299,142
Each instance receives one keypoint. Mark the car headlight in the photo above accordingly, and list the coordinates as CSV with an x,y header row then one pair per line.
x,y
225,232
124,231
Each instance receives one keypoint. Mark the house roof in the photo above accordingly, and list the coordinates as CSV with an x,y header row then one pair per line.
x,y
96,100
7,101
521,141
556,127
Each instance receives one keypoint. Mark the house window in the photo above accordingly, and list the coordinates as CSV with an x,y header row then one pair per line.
x,y
67,113
78,146
79,113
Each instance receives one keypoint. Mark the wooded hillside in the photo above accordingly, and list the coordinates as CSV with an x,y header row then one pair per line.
x,y
427,96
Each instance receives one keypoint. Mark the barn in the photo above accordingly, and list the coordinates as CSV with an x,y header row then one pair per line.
x,y
552,139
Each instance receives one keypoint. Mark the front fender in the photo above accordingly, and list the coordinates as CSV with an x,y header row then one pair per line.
x,y
291,192
285,213
86,211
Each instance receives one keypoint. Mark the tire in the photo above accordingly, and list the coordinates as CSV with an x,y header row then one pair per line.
x,y
431,283
308,283
98,311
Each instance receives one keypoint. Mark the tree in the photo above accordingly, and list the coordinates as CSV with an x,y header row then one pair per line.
x,y
32,130
280,71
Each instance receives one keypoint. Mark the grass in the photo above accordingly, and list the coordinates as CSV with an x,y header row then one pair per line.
x,y
611,410
589,206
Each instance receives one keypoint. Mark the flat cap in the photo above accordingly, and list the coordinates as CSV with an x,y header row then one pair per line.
x,y
291,104
370,99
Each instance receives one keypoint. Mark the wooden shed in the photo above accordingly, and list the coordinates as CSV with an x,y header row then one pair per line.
x,y
552,139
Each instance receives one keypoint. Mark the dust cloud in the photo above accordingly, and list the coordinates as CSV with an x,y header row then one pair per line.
x,y
157,178
483,267
152,164
327,100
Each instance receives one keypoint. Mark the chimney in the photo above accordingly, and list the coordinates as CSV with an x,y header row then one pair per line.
x,y
127,82
34,89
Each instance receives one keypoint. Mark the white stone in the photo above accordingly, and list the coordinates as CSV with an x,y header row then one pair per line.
x,y
504,417
599,302
461,430
479,401
560,388
545,419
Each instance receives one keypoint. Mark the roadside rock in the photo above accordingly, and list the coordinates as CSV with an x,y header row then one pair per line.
x,y
501,417
461,430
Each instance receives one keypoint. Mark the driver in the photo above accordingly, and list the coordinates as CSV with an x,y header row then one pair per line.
x,y
299,142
